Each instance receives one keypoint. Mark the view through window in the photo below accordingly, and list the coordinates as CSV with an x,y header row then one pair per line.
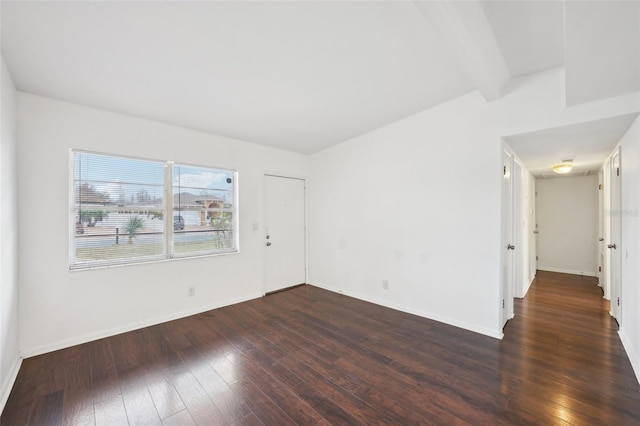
x,y
129,210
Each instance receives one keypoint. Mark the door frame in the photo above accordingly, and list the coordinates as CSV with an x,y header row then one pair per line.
x,y
606,200
263,214
517,222
602,248
532,232
615,257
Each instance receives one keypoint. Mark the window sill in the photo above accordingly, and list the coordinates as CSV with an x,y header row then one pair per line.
x,y
150,262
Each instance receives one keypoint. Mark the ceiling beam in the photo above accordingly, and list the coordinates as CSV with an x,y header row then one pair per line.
x,y
466,31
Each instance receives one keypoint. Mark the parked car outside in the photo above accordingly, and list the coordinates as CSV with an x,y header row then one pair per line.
x,y
178,223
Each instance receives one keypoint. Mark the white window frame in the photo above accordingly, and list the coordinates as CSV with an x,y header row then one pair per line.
x,y
168,213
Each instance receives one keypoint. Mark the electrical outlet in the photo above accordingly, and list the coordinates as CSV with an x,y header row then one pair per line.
x,y
191,292
385,284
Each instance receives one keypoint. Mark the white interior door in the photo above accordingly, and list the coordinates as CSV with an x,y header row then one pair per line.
x,y
614,242
508,248
285,263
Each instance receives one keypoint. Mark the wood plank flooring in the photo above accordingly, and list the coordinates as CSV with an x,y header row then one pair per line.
x,y
310,357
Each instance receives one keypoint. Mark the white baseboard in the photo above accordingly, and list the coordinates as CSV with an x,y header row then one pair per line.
x,y
8,383
66,343
633,357
566,271
526,290
496,334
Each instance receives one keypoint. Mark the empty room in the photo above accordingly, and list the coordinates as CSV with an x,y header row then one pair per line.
x,y
319,212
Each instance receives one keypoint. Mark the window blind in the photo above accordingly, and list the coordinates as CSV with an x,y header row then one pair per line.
x,y
117,210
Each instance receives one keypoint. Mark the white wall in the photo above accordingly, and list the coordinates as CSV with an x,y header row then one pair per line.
x,y
416,203
630,244
567,215
9,354
60,308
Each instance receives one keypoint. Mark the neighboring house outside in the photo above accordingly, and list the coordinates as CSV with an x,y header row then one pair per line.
x,y
193,207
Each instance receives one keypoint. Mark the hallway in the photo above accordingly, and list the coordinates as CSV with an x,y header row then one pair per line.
x,y
572,363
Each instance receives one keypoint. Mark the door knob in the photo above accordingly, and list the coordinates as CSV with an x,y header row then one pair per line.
x,y
600,239
268,244
536,232
613,246
510,247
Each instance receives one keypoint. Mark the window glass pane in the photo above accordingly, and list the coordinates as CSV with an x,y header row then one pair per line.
x,y
118,210
203,240
202,210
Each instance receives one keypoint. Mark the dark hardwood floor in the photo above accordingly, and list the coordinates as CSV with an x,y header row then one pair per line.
x,y
311,357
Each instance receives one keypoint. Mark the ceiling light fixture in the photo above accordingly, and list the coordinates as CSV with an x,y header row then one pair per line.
x,y
564,167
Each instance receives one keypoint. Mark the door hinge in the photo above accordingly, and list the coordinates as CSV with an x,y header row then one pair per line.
x,y
618,301
599,268
617,171
600,187
536,257
504,170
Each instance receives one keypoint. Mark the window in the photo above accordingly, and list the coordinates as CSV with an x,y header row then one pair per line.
x,y
128,210
202,210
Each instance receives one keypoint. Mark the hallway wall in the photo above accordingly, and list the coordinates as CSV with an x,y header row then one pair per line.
x,y
567,216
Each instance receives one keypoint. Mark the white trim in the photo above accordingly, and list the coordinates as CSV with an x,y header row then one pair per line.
x,y
66,343
633,357
496,334
566,271
5,391
145,262
516,203
526,290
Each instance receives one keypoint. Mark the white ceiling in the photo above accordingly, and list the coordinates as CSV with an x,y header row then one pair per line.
x,y
297,75
530,33
587,144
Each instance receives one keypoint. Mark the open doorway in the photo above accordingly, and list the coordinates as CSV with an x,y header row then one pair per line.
x,y
570,218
